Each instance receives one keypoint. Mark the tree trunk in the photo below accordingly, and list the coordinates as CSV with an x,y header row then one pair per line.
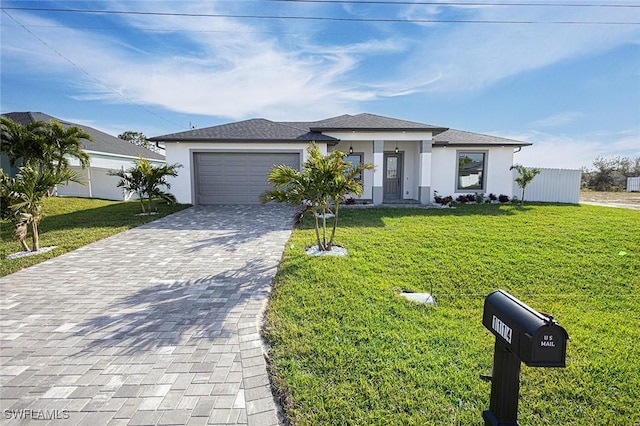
x,y
335,224
141,197
316,226
324,228
21,234
35,238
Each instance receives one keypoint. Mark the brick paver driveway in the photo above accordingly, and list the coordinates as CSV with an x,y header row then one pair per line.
x,y
156,325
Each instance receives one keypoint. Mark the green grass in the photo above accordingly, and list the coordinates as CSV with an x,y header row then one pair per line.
x,y
347,350
70,223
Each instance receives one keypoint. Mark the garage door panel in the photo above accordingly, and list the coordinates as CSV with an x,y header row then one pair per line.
x,y
236,178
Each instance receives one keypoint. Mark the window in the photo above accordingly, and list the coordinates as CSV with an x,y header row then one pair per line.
x,y
355,159
471,166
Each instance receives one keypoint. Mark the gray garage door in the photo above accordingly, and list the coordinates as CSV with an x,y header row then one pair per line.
x,y
236,178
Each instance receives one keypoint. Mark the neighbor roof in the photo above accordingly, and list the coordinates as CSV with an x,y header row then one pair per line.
x,y
460,137
102,142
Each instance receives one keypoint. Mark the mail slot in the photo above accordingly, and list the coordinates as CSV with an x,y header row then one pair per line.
x,y
535,338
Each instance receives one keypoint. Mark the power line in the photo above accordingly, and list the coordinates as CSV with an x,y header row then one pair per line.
x,y
317,18
103,84
161,30
444,3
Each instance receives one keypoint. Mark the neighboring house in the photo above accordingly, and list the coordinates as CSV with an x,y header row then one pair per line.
x,y
106,153
229,163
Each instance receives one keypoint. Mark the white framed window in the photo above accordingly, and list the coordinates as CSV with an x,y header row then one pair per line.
x,y
470,173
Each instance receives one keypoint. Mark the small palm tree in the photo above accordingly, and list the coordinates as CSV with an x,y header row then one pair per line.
x,y
525,178
22,198
322,184
147,180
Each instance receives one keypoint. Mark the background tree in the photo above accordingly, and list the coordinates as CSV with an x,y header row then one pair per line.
x,y
322,184
22,143
525,178
61,143
147,181
139,138
44,145
602,178
610,174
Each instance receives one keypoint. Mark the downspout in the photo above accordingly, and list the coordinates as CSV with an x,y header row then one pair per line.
x,y
519,149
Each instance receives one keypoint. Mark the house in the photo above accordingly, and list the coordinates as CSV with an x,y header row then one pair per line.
x,y
229,163
106,153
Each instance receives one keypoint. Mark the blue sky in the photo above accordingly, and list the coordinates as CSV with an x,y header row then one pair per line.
x,y
571,89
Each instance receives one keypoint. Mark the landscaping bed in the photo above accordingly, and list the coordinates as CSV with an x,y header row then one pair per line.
x,y
347,349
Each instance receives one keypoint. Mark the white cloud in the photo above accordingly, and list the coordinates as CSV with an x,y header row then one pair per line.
x,y
573,152
559,119
286,69
235,72
475,56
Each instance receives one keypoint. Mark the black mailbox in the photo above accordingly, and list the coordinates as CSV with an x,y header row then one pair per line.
x,y
522,335
536,339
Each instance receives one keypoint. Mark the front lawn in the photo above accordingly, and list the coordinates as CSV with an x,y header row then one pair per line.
x,y
70,223
346,349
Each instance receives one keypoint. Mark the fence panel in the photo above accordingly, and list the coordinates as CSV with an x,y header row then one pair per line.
x,y
633,184
552,185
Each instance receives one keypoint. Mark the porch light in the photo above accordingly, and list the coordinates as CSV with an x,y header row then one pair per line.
x,y
397,150
351,149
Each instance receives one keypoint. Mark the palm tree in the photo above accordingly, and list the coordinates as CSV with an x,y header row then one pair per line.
x,y
43,145
22,142
146,180
22,199
61,142
322,183
525,178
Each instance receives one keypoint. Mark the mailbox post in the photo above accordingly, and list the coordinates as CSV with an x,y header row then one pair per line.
x,y
522,335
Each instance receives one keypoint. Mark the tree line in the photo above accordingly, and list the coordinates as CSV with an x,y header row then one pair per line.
x,y
610,174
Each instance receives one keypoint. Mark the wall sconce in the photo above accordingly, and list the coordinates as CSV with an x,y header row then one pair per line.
x,y
397,149
351,149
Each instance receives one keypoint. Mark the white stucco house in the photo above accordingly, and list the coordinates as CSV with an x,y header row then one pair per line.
x,y
105,152
229,163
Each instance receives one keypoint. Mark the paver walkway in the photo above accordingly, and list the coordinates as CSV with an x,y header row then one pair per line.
x,y
156,325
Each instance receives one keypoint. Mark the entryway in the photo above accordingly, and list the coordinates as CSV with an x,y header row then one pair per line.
x,y
392,186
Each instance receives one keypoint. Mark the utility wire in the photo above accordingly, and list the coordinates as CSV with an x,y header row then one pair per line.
x,y
460,3
101,83
315,18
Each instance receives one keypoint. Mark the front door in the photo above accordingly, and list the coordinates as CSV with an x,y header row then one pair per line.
x,y
392,176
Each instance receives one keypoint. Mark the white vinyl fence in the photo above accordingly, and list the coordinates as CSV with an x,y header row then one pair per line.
x,y
633,184
552,185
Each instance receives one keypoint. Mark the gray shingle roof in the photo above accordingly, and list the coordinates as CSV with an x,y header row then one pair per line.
x,y
259,129
460,137
248,130
102,142
372,122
